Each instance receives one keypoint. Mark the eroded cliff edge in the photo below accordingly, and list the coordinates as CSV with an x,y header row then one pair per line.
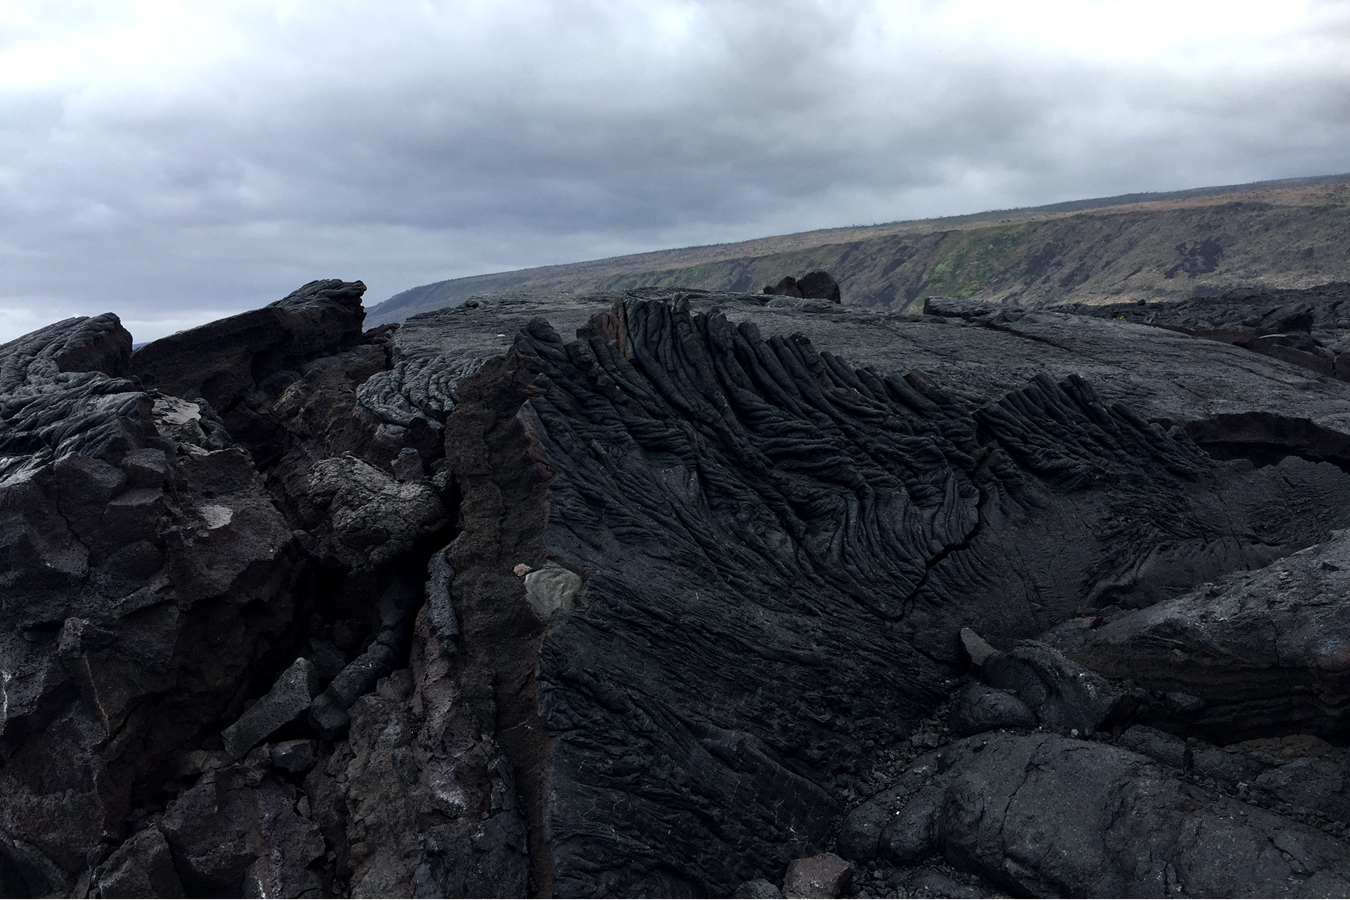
x,y
478,607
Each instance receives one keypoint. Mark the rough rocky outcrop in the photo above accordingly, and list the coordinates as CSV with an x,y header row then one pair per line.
x,y
663,439
144,580
479,607
222,363
817,285
1265,653
1047,815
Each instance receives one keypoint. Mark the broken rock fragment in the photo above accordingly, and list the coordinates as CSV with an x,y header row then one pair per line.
x,y
286,702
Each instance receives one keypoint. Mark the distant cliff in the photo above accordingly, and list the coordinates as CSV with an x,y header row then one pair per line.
x,y
1287,234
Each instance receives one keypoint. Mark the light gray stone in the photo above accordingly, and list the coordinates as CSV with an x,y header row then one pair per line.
x,y
552,590
825,875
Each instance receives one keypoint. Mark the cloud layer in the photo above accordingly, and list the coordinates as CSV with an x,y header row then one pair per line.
x,y
178,161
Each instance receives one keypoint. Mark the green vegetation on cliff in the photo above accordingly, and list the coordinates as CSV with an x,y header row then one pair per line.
x,y
1203,242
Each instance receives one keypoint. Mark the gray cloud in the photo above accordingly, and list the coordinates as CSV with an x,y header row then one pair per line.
x,y
174,165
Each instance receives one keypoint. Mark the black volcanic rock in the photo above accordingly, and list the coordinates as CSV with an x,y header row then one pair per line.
x,y
984,708
1304,327
720,491
817,285
223,361
64,391
1052,816
237,833
142,579
1265,651
476,608
1061,695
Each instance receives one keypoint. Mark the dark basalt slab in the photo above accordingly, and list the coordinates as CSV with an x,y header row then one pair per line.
x,y
778,549
225,360
1044,815
1268,652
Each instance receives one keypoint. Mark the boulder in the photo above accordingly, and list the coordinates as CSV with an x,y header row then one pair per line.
x,y
1046,815
141,867
1061,695
816,285
287,701
984,708
237,833
1264,651
823,875
225,360
976,649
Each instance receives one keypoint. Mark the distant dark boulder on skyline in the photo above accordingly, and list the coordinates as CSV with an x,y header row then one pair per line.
x,y
817,285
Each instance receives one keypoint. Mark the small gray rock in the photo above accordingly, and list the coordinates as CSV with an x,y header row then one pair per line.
x,y
976,648
757,889
983,708
825,875
287,701
293,756
551,590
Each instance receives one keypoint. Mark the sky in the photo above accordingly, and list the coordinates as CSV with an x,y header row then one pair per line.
x,y
174,162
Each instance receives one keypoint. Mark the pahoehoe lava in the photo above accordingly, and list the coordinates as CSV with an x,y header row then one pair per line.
x,y
663,593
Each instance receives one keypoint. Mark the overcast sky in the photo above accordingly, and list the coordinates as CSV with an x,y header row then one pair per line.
x,y
174,162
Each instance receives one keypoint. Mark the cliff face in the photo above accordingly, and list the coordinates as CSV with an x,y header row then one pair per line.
x,y
1165,248
478,607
